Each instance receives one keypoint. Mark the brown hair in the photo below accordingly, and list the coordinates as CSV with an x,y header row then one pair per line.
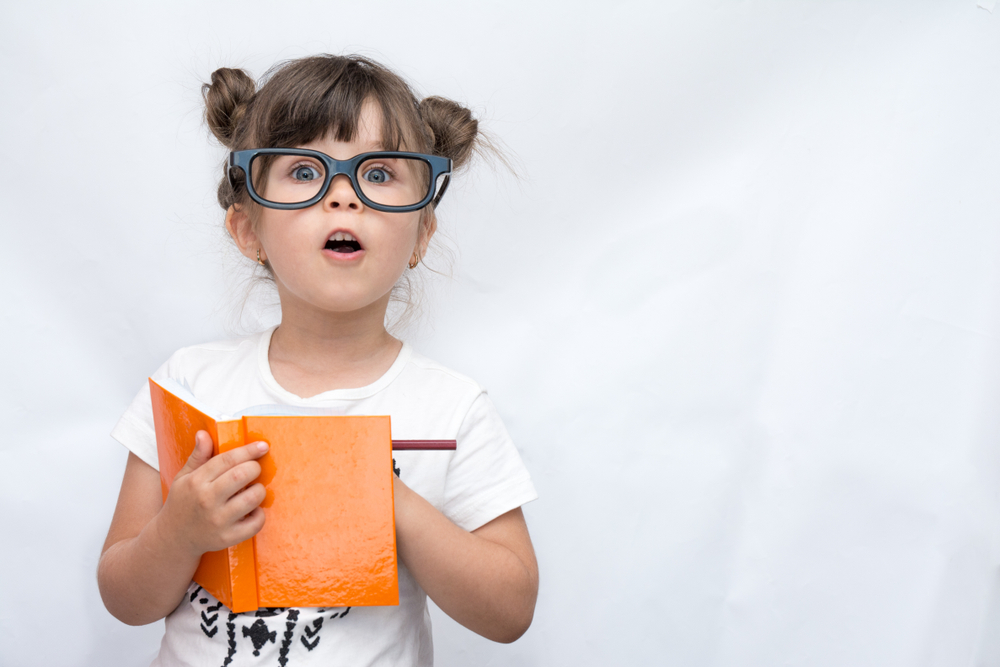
x,y
302,100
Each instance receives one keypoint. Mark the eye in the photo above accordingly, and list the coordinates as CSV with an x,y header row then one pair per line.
x,y
305,174
376,175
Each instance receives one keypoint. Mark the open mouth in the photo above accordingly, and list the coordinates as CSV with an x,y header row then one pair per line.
x,y
342,242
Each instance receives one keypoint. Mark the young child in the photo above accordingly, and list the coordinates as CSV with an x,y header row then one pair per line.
x,y
336,229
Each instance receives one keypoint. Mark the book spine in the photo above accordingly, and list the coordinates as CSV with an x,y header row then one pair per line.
x,y
242,562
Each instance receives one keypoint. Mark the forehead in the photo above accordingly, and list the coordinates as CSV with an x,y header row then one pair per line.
x,y
365,135
314,97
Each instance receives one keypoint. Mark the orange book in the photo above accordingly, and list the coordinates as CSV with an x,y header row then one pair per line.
x,y
329,535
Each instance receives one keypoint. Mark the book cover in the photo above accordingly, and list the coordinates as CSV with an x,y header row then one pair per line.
x,y
328,538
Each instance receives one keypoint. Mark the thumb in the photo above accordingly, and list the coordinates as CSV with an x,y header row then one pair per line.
x,y
200,455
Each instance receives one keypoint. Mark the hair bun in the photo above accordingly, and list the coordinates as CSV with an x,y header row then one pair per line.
x,y
454,129
226,100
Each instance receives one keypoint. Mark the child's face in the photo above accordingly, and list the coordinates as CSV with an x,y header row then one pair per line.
x,y
300,245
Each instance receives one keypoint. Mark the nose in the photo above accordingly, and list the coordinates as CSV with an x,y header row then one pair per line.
x,y
341,194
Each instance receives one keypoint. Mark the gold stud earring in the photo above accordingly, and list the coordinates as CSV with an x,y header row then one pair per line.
x,y
414,261
259,261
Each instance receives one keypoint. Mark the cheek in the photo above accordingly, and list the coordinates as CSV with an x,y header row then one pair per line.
x,y
405,240
285,250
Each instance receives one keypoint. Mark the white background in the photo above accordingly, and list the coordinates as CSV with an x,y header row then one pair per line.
x,y
740,312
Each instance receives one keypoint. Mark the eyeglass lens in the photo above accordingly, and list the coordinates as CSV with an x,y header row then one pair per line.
x,y
292,179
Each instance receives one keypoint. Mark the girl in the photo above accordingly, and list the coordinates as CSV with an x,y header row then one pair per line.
x,y
318,191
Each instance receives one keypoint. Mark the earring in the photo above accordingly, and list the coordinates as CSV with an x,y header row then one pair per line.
x,y
414,261
258,258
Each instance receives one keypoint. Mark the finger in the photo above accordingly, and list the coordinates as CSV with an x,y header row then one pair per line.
x,y
234,480
247,527
245,501
227,460
201,454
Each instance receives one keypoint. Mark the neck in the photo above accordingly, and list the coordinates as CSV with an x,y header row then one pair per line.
x,y
314,351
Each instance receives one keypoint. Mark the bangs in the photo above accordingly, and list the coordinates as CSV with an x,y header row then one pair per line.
x,y
322,97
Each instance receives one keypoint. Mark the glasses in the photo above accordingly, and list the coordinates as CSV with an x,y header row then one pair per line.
x,y
292,178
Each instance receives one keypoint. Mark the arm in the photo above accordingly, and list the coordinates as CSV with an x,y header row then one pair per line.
x,y
487,580
153,548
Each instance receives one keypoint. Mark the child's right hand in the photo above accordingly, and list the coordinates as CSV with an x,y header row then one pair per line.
x,y
209,506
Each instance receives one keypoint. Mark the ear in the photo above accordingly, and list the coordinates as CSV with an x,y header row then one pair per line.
x,y
239,227
428,225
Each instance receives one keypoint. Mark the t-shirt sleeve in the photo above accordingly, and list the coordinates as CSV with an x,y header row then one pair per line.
x,y
486,477
135,428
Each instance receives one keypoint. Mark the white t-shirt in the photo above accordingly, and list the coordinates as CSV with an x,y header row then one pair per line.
x,y
482,479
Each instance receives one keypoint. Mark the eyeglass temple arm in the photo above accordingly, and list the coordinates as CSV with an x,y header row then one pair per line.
x,y
444,186
231,166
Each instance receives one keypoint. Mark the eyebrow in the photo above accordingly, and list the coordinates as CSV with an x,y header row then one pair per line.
x,y
368,148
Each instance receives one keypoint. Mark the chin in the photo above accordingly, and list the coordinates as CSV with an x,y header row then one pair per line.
x,y
343,304
338,298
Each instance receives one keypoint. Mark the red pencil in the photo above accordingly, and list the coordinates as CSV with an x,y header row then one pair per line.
x,y
402,445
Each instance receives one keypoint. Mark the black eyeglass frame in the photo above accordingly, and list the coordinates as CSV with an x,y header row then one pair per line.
x,y
438,165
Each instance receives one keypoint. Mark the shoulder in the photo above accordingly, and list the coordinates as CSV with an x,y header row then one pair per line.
x,y
221,356
438,382
484,477
426,399
214,352
429,370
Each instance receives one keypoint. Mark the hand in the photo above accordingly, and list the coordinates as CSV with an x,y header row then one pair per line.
x,y
209,506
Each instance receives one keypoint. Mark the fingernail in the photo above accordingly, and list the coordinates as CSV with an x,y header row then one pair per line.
x,y
262,446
